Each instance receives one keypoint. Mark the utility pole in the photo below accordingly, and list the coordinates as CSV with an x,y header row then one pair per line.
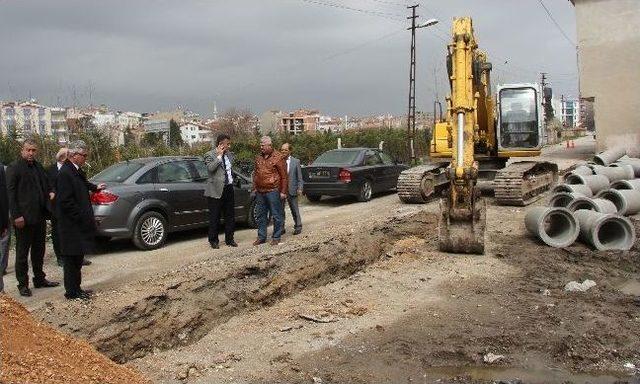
x,y
411,117
543,82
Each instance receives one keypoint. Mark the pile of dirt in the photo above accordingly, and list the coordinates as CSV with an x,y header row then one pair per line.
x,y
32,352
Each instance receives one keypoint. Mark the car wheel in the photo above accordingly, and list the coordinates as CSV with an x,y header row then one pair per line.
x,y
366,190
252,215
314,198
150,231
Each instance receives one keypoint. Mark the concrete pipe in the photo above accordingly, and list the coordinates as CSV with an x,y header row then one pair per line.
x,y
634,163
556,227
573,188
627,184
598,205
596,183
563,199
621,172
627,201
609,156
581,170
605,231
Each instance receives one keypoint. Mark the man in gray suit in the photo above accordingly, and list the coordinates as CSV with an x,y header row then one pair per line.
x,y
219,191
295,186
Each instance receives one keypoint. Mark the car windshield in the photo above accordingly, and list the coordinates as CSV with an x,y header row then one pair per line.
x,y
117,173
337,157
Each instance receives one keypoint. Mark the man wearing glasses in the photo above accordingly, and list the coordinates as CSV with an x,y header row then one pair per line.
x,y
74,215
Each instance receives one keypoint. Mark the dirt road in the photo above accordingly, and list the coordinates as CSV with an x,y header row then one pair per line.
x,y
364,296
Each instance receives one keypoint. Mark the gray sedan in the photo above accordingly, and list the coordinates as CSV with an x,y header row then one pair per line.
x,y
147,198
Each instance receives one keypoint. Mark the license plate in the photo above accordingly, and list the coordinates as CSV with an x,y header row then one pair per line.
x,y
321,173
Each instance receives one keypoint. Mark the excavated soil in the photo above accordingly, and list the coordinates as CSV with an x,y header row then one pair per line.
x,y
34,353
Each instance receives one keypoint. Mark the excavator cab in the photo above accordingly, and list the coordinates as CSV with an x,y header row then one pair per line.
x,y
520,130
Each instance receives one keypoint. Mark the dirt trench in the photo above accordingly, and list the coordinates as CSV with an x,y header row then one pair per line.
x,y
191,303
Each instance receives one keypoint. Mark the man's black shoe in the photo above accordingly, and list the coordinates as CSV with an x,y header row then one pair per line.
x,y
86,293
297,231
86,262
72,296
232,243
45,284
215,245
24,291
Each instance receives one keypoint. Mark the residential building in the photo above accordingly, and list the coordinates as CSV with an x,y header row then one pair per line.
x,y
29,118
609,58
570,112
329,124
194,133
300,121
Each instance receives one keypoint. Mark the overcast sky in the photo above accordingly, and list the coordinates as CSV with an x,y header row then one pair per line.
x,y
149,55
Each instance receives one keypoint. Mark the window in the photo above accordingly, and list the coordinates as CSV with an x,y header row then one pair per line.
x,y
117,172
386,159
201,170
148,178
519,118
174,172
372,158
337,157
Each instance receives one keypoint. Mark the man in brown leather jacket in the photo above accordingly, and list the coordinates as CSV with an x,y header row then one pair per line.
x,y
270,186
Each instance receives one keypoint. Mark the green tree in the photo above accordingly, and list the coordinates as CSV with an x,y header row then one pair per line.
x,y
175,138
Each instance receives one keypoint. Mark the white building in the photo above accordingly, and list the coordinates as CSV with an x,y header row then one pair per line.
x,y
29,118
193,133
570,113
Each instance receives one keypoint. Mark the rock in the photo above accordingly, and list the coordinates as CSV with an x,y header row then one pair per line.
x,y
220,358
545,292
630,366
491,358
574,286
317,380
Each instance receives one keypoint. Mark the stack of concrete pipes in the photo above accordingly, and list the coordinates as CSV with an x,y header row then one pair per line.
x,y
592,204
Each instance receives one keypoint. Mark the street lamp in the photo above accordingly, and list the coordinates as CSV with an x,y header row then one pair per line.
x,y
411,118
428,23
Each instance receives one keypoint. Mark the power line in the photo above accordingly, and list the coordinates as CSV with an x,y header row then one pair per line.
x,y
386,15
556,23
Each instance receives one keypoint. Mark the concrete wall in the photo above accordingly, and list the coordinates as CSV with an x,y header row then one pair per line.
x,y
609,63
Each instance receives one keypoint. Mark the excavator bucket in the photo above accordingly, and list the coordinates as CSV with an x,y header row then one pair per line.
x,y
462,233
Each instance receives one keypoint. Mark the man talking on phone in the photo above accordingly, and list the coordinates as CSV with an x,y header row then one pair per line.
x,y
219,191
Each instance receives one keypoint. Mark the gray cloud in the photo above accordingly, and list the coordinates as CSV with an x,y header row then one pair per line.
x,y
147,55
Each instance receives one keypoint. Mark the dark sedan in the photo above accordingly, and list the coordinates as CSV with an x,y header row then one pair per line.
x,y
358,172
147,198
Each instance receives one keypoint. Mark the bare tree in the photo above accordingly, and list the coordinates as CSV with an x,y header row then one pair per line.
x,y
236,122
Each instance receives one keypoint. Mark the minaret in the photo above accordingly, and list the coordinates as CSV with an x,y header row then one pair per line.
x,y
215,111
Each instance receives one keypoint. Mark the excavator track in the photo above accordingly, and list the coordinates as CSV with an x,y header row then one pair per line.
x,y
416,185
524,182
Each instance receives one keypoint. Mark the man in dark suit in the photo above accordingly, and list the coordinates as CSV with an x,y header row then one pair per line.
x,y
219,191
294,170
29,194
4,226
74,216
52,173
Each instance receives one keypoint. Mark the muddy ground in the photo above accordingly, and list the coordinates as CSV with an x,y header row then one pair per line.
x,y
364,296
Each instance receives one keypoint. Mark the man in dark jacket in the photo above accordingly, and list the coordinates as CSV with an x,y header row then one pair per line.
x,y
52,173
74,216
29,193
4,226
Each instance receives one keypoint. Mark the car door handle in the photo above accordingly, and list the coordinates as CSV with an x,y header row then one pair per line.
x,y
164,190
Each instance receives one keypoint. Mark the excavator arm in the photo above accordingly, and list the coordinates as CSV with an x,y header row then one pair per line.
x,y
462,218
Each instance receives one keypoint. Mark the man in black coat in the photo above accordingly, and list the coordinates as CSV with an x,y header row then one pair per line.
x,y
29,194
74,216
4,226
52,173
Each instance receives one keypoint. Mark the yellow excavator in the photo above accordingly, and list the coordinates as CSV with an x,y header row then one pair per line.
x,y
471,145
